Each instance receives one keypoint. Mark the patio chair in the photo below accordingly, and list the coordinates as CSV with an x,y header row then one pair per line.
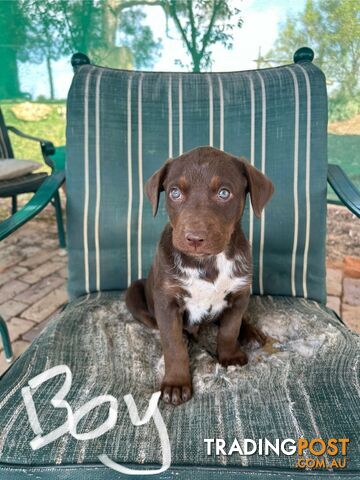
x,y
121,126
27,182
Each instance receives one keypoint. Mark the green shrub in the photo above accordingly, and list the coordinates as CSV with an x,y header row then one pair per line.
x,y
343,108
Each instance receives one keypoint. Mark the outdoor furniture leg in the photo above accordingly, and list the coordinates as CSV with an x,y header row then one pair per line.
x,y
6,340
59,219
13,204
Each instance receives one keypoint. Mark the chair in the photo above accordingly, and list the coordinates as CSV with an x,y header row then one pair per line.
x,y
121,126
30,182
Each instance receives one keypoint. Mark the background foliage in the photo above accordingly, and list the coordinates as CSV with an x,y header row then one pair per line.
x,y
111,32
332,29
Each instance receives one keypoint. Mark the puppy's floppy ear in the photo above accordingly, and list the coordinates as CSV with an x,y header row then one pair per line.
x,y
154,186
259,186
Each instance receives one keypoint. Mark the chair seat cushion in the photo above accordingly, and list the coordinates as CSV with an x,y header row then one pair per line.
x,y
13,168
304,383
25,184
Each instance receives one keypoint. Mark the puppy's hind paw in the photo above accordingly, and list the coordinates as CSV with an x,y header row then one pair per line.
x,y
249,333
237,358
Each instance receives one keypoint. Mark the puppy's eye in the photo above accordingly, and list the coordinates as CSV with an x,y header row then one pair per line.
x,y
224,193
175,193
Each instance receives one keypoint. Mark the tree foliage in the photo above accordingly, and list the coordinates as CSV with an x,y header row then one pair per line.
x,y
138,38
112,32
12,39
90,26
332,29
201,24
38,31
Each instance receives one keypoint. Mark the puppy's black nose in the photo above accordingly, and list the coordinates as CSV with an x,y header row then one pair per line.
x,y
194,239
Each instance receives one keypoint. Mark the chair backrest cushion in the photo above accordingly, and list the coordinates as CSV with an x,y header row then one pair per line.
x,y
123,125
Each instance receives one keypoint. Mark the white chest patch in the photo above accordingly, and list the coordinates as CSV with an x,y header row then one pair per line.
x,y
208,298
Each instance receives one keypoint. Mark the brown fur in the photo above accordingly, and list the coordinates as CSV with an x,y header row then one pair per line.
x,y
201,225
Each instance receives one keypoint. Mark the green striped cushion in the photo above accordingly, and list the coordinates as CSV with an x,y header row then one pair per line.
x,y
308,387
123,125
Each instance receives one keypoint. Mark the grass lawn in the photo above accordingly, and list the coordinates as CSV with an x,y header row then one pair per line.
x,y
343,149
51,126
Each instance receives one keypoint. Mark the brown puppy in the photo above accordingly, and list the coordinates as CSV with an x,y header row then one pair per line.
x,y
202,269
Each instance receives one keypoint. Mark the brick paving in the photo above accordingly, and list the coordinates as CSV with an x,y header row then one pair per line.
x,y
33,272
343,288
343,266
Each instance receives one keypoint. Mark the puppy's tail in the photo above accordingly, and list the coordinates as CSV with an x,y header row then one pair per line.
x,y
136,302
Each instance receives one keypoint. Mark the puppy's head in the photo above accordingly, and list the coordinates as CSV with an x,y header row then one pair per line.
x,y
205,197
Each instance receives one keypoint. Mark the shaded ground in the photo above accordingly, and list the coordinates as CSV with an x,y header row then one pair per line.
x,y
346,127
33,272
343,234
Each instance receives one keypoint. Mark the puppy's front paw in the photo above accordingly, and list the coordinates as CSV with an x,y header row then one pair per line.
x,y
237,358
176,393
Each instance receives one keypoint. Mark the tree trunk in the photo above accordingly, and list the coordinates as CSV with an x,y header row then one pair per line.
x,y
50,76
9,83
196,60
110,21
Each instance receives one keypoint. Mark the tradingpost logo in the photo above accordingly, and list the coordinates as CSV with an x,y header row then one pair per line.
x,y
312,453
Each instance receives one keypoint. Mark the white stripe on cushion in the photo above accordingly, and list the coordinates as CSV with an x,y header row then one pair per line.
x,y
98,187
355,369
296,174
140,166
290,402
211,111
263,158
221,99
170,119
180,117
86,182
252,154
311,412
307,178
129,162
239,424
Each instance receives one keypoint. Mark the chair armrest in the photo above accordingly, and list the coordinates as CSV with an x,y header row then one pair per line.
x,y
37,203
344,188
59,158
47,147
